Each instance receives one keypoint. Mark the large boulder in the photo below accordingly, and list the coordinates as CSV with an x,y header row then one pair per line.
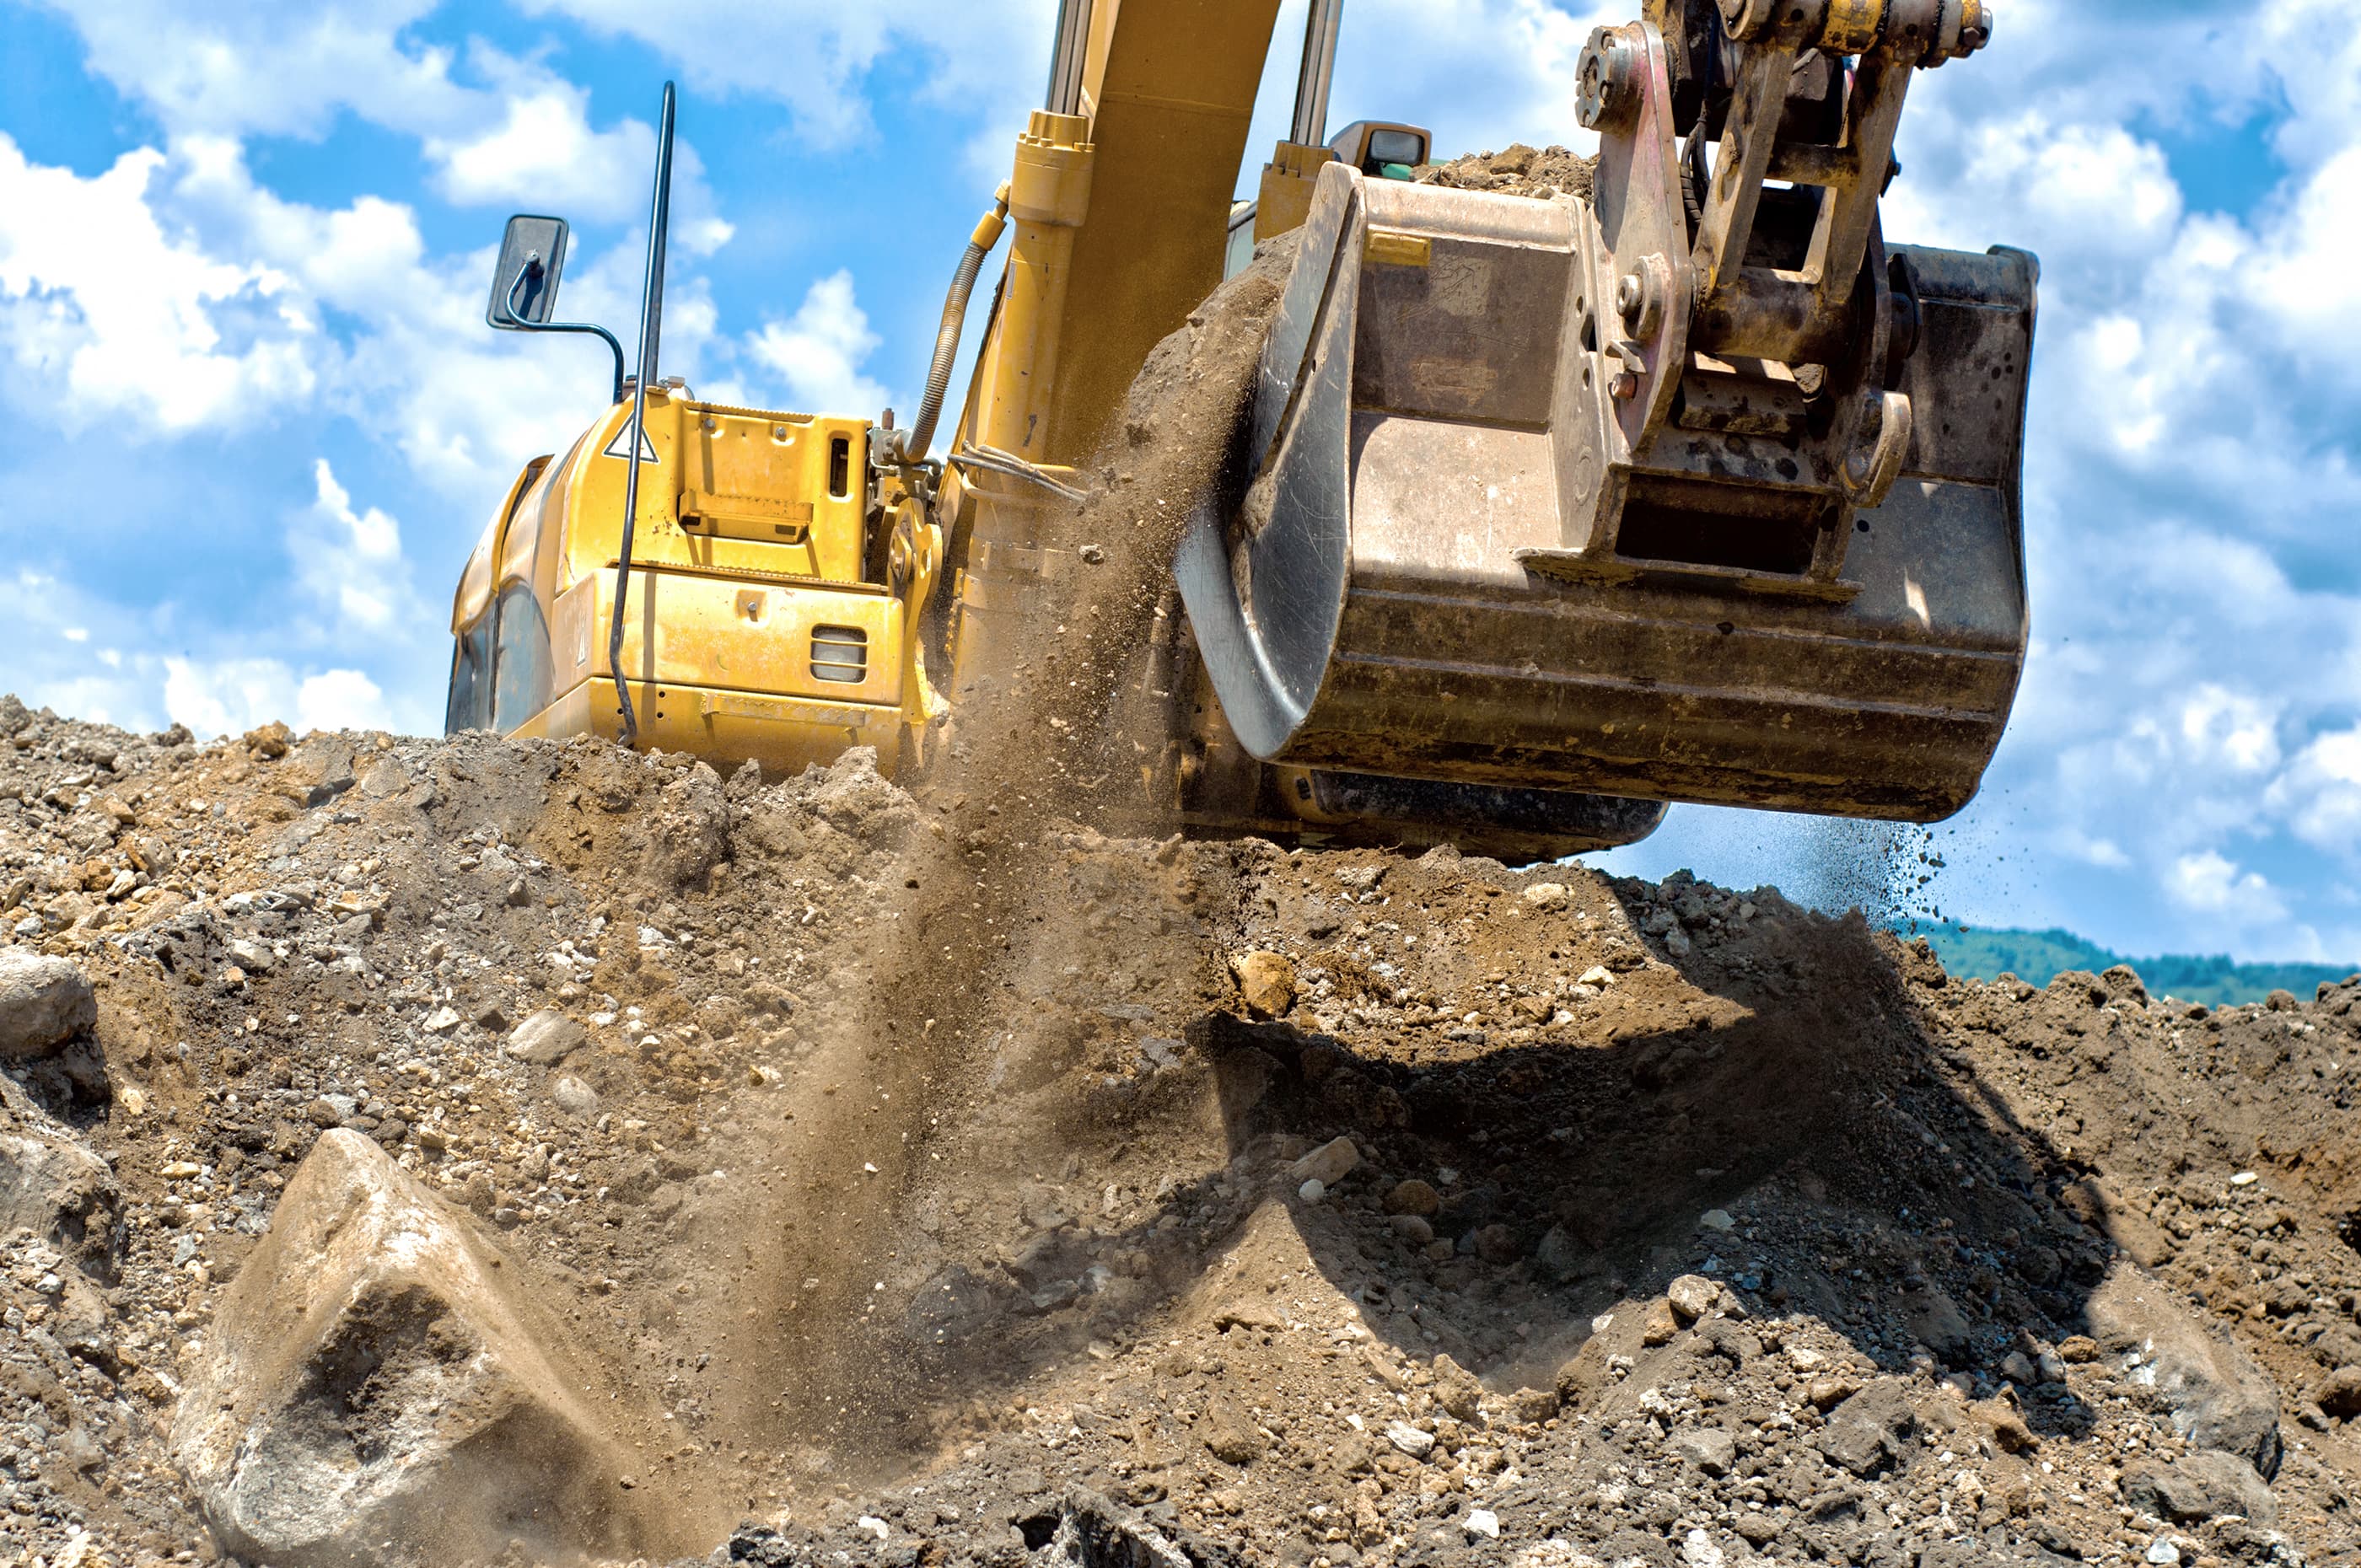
x,y
2218,1397
44,1003
373,1392
2200,1487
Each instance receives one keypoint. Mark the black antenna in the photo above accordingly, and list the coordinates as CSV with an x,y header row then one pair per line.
x,y
651,331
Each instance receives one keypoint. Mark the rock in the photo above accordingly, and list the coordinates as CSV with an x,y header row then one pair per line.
x,y
1328,1164
1457,1390
44,1003
1496,1244
857,800
1082,1528
2217,1397
1548,895
1410,1440
2339,1393
1414,1228
2197,1487
2017,1369
2078,1349
1233,1437
547,1038
1938,1323
1598,975
1692,1296
1482,1522
1659,1325
1697,1550
1558,1258
1710,1449
2164,1554
1717,1220
1827,1393
1266,983
1866,1432
1313,1191
2007,1427
574,1097
1413,1197
371,1388
442,1021
1531,1407
54,1186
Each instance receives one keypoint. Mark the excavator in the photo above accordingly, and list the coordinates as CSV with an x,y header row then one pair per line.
x,y
1543,515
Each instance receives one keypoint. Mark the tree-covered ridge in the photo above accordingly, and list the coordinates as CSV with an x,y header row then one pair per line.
x,y
2040,956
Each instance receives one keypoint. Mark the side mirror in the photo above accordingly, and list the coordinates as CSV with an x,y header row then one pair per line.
x,y
1382,149
524,286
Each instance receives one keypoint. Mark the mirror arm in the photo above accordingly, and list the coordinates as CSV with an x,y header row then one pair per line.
x,y
516,323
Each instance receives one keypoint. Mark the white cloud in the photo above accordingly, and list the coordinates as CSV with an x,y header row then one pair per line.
x,y
817,354
2320,794
2241,731
229,696
273,65
175,288
110,313
542,153
817,58
352,562
2210,884
341,700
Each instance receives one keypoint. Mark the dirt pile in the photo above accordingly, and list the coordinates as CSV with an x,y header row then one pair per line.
x,y
1518,170
1670,1222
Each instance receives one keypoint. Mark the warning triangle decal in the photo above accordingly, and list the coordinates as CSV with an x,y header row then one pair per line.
x,y
622,444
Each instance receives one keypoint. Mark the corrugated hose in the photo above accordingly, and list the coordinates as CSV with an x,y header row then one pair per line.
x,y
910,445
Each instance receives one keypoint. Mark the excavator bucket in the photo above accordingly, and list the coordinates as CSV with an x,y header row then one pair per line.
x,y
1624,497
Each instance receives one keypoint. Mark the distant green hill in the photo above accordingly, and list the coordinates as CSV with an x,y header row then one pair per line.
x,y
2040,956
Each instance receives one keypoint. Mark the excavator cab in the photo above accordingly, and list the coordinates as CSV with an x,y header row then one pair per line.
x,y
1700,491
1382,149
738,582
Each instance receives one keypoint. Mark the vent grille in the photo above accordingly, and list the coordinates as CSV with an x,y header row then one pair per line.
x,y
840,654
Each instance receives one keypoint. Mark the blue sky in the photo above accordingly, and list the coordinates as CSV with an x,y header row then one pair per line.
x,y
253,420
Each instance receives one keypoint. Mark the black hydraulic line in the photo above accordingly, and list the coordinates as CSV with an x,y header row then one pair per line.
x,y
910,445
651,332
516,323
914,442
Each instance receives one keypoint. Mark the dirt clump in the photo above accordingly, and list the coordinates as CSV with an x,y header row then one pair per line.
x,y
1517,171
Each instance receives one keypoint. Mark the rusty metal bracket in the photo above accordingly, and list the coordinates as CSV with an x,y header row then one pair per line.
x,y
1626,95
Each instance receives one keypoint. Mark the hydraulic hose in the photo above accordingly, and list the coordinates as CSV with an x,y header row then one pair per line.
x,y
651,336
911,444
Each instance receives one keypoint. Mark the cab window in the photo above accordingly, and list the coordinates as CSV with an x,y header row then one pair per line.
x,y
519,659
1393,154
469,705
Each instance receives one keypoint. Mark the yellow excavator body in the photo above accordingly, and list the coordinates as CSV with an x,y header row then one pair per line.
x,y
759,622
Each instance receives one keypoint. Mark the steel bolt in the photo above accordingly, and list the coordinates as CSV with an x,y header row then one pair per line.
x,y
1630,295
1607,80
1625,386
1977,29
